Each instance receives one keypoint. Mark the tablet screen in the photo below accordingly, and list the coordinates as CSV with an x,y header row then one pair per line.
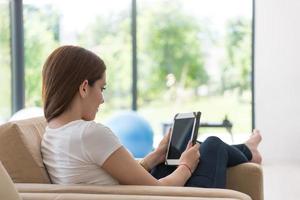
x,y
182,132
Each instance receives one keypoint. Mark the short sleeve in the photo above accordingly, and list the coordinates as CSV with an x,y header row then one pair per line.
x,y
99,142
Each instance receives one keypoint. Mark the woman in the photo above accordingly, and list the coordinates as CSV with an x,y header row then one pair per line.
x,y
75,149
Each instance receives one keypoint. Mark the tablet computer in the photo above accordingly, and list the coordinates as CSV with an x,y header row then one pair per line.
x,y
184,129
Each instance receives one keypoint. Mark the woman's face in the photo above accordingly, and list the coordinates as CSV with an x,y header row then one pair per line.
x,y
94,99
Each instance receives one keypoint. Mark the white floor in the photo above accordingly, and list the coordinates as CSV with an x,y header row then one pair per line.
x,y
282,180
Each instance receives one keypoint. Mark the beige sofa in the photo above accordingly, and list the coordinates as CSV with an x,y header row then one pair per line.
x,y
20,155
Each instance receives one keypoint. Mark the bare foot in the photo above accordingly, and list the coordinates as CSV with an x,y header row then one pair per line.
x,y
252,143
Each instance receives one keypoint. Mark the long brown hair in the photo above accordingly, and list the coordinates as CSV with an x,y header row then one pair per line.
x,y
63,72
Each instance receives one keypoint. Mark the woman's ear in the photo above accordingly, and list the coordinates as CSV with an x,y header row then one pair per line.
x,y
83,88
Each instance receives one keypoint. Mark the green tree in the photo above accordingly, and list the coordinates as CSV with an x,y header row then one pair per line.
x,y
236,70
170,43
41,33
109,37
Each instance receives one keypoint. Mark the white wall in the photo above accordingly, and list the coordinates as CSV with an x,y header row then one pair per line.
x,y
277,84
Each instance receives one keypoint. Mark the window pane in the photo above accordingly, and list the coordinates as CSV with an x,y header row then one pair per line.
x,y
99,25
195,55
5,62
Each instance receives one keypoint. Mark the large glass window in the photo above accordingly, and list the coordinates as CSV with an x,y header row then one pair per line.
x,y
195,55
5,62
99,25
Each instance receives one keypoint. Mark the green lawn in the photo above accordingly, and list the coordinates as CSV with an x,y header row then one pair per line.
x,y
213,108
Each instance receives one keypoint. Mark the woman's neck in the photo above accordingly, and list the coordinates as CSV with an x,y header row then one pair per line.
x,y
65,118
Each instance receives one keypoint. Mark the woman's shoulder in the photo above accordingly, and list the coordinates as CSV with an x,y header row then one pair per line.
x,y
75,126
92,125
99,129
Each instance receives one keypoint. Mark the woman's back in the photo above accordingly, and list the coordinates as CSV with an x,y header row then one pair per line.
x,y
75,152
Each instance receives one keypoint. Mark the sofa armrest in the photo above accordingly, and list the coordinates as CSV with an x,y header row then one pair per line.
x,y
166,191
246,178
7,188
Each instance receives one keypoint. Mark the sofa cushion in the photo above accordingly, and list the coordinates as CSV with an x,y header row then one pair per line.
x,y
162,191
20,143
68,196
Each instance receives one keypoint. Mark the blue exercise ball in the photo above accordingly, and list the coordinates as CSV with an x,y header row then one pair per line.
x,y
134,132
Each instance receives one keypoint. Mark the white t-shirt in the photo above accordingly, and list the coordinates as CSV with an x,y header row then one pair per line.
x,y
75,152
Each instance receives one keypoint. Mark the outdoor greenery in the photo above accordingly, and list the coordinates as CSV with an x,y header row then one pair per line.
x,y
170,45
41,37
236,70
110,38
172,61
213,108
5,75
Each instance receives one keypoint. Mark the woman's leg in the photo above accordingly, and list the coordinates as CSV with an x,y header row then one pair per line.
x,y
250,147
211,171
244,149
215,157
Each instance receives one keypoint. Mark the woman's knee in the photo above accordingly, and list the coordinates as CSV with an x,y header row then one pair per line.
x,y
213,140
213,149
212,143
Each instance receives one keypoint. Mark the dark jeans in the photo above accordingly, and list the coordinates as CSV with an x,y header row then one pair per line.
x,y
215,157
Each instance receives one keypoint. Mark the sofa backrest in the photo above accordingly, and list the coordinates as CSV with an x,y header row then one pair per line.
x,y
20,154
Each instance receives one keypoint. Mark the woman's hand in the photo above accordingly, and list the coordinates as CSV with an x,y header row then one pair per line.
x,y
159,154
161,150
190,156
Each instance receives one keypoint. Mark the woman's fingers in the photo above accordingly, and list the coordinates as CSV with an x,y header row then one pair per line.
x,y
196,149
198,154
196,146
189,145
167,135
166,138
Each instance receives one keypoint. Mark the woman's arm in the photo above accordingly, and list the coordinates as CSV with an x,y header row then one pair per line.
x,y
124,168
153,159
158,155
